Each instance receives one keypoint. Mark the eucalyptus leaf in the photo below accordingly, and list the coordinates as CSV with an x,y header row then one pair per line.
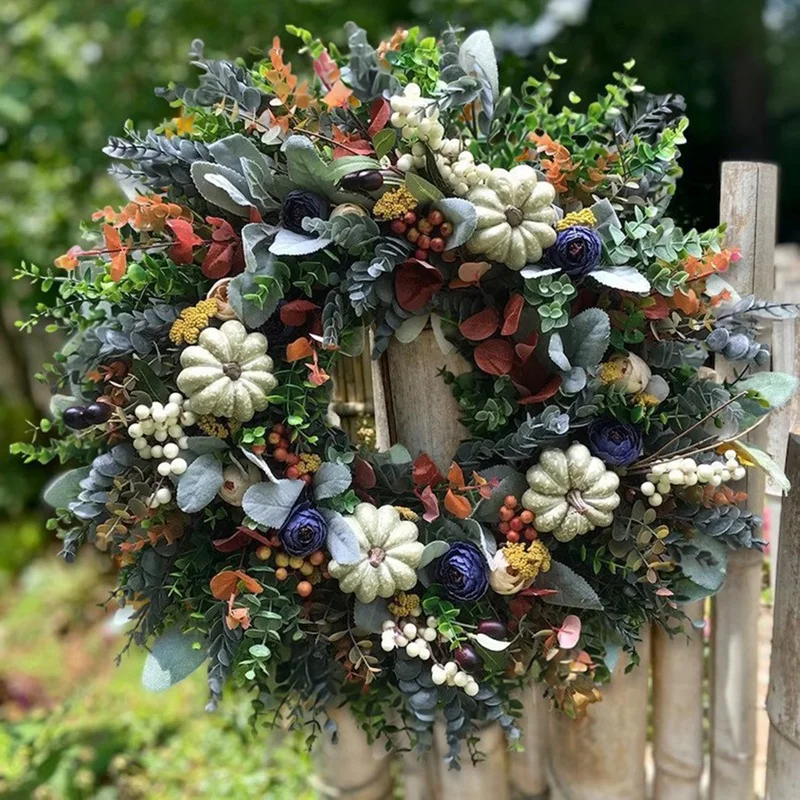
x,y
200,445
571,589
199,485
705,571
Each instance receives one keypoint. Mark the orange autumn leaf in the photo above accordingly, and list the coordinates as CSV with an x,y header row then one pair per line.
x,y
455,476
225,584
299,348
317,375
251,584
118,253
686,300
70,259
457,505
338,95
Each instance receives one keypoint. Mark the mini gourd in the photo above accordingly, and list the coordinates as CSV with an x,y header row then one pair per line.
x,y
570,493
228,372
389,554
515,217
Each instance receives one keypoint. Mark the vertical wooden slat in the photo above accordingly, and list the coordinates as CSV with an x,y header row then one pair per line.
x,y
528,769
601,757
678,710
783,701
748,206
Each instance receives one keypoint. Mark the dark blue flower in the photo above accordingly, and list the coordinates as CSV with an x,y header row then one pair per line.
x,y
304,532
463,572
577,251
616,443
300,204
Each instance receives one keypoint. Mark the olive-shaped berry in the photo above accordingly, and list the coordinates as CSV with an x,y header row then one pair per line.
x,y
366,180
493,628
467,658
74,418
97,413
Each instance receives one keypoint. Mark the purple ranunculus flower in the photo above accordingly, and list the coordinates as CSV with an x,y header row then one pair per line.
x,y
300,204
616,443
463,572
577,250
304,532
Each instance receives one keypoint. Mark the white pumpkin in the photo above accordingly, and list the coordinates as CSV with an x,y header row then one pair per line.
x,y
570,493
515,217
389,554
228,372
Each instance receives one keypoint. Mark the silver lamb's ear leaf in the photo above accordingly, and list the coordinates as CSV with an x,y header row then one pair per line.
x,y
289,243
232,149
765,462
270,504
199,485
371,616
463,217
65,488
624,278
477,57
331,479
222,187
342,543
173,657
555,349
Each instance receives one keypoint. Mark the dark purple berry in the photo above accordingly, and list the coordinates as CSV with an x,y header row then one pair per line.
x,y
467,658
74,417
493,628
97,413
366,180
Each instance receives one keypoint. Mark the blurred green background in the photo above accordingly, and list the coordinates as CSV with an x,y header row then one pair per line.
x,y
73,71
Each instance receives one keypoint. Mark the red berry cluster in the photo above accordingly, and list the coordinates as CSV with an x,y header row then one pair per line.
x,y
427,233
279,448
516,524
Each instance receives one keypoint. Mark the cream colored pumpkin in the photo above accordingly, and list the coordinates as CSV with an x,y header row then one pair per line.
x,y
228,372
515,217
389,554
570,493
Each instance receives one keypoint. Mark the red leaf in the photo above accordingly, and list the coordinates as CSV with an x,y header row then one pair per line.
x,y
364,474
495,356
481,325
118,253
222,230
239,540
416,283
182,251
658,309
430,503
379,113
293,314
545,393
219,260
511,314
425,472
457,505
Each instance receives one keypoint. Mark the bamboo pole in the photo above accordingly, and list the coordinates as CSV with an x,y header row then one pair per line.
x,y
413,406
783,700
678,667
748,206
602,756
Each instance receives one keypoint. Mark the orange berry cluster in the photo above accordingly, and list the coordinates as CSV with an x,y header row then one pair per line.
x,y
516,524
427,233
279,448
308,571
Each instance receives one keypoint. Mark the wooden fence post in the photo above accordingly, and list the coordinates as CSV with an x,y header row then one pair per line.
x,y
748,204
602,756
678,667
528,769
783,701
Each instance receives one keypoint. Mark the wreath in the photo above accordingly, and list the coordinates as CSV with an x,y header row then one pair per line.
x,y
274,221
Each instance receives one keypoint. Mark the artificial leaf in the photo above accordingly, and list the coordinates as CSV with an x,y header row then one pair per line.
x,y
545,393
289,243
495,356
294,313
490,643
587,336
371,616
432,551
764,461
424,191
569,632
430,504
182,251
222,187
411,328
270,504
65,488
461,214
511,314
380,112
331,479
298,349
624,278
481,325
199,485
457,505
383,142
708,566
571,589
775,388
173,656
416,282
342,543
337,96
425,472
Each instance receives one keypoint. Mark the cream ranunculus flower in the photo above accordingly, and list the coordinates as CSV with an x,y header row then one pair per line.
x,y
628,373
516,566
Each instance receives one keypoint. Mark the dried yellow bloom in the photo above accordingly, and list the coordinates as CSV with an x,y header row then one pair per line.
x,y
394,204
611,371
404,605
585,217
527,561
645,399
186,329
309,462
211,426
406,513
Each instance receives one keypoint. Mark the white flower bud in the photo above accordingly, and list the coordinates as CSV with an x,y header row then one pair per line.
x,y
472,688
401,641
183,443
451,668
171,450
160,435
387,645
424,653
135,430
140,443
438,675
172,410
431,622
705,472
730,455
388,625
429,634
175,431
412,649
739,473
177,398
675,477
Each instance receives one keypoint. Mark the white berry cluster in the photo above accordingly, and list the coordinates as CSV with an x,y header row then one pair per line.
x,y
415,639
462,173
158,433
418,119
453,675
665,475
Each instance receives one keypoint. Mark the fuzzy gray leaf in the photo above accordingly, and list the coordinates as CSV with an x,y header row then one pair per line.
x,y
342,542
199,485
289,243
173,657
65,488
572,590
270,504
331,479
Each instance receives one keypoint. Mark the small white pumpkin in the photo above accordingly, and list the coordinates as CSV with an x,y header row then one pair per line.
x,y
389,554
570,493
228,372
515,217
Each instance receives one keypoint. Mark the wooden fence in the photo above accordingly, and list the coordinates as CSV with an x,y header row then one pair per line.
x,y
697,749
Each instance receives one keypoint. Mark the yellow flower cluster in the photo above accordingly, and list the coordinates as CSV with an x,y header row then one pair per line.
x,y
406,513
394,204
646,400
527,561
186,329
611,371
211,426
584,217
309,462
404,605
